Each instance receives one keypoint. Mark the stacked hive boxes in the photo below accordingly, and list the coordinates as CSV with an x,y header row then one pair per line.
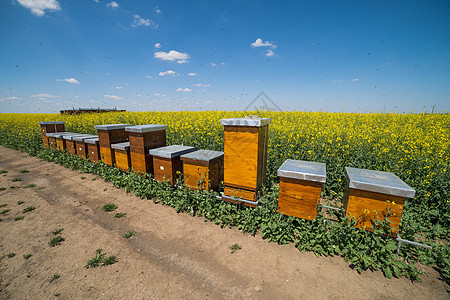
x,y
167,163
108,135
203,169
49,127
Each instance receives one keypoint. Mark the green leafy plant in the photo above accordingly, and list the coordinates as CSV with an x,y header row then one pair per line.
x,y
109,207
3,205
100,259
83,177
26,256
19,218
20,202
16,179
5,211
57,231
12,254
29,208
119,215
2,189
129,234
56,241
54,277
234,247
24,171
30,185
3,171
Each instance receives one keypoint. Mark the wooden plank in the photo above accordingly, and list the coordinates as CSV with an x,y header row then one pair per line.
x,y
81,149
107,155
94,152
70,146
141,163
299,198
60,144
240,193
366,206
122,159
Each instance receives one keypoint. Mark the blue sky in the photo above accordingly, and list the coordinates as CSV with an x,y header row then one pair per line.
x,y
337,56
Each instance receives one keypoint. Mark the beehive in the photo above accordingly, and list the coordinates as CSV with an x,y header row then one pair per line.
x,y
167,162
301,183
110,134
245,158
49,127
56,140
374,195
203,169
122,155
69,143
93,149
80,146
143,138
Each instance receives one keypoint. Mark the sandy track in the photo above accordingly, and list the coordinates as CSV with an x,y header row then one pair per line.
x,y
172,255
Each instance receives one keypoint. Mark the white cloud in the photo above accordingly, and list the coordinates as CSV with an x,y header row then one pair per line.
x,y
148,76
168,72
355,80
158,45
172,55
184,90
96,1
157,95
158,11
213,64
192,74
182,61
337,81
118,87
270,53
138,21
10,98
113,97
44,96
112,4
259,43
202,85
38,7
69,80
223,64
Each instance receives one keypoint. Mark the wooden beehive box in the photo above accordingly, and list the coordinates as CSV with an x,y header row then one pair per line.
x,y
369,195
110,134
143,138
203,169
80,146
167,162
122,156
93,149
49,127
56,140
69,143
301,183
245,158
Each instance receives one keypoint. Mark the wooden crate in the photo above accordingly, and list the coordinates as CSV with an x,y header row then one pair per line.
x,y
93,149
301,183
142,139
374,195
245,159
110,134
122,156
80,146
167,162
69,143
203,169
49,127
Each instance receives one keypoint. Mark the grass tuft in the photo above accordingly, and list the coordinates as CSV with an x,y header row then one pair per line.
x,y
29,208
24,171
16,179
4,211
119,215
129,234
19,218
109,207
27,256
56,241
234,247
12,254
100,259
29,185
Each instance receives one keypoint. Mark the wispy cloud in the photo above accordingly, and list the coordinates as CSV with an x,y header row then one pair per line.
x,y
138,21
270,53
38,7
43,96
355,80
96,1
259,43
148,76
112,4
168,72
157,10
9,98
192,74
113,97
118,87
158,45
69,80
184,90
213,64
337,81
172,55
202,85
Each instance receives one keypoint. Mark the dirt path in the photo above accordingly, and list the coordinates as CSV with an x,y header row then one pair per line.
x,y
171,256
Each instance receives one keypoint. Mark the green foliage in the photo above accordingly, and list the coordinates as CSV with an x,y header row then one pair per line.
x,y
26,256
109,207
29,208
5,211
57,231
119,215
16,179
3,205
30,185
19,218
54,277
56,241
24,171
234,247
20,202
3,171
100,259
2,189
12,254
129,234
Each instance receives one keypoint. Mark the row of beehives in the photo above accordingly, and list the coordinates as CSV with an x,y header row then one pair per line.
x,y
241,167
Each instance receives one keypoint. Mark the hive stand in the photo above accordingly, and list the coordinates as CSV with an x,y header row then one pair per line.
x,y
370,194
122,156
93,149
203,169
69,143
245,159
167,162
80,146
110,134
301,183
142,139
49,127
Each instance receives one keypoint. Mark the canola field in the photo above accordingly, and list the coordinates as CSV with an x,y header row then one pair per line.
x,y
415,147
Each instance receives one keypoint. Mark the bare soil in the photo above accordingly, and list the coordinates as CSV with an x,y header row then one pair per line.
x,y
171,256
